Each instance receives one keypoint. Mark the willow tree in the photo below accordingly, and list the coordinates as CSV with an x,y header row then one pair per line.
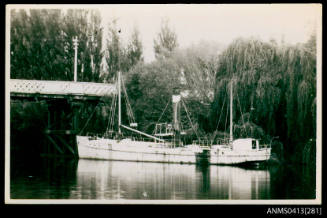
x,y
300,89
251,66
274,88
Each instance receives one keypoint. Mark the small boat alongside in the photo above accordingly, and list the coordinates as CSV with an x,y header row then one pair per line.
x,y
238,151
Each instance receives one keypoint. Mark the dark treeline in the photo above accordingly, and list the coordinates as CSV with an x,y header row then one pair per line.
x,y
274,84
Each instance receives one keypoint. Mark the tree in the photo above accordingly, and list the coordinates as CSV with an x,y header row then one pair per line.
x,y
199,64
41,44
150,87
85,25
166,41
92,65
41,48
19,45
36,44
275,88
134,50
114,51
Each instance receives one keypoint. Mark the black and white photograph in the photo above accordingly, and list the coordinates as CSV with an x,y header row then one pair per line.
x,y
163,104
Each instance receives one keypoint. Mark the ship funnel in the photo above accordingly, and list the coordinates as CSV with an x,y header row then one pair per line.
x,y
176,111
176,117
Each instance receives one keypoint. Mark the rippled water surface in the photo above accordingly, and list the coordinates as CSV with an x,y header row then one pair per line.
x,y
95,179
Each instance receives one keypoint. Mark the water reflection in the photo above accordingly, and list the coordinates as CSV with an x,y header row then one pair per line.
x,y
93,179
136,180
238,183
48,178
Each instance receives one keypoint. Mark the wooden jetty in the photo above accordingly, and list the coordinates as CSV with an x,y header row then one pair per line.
x,y
60,96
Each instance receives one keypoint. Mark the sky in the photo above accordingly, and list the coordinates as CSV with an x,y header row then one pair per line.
x,y
215,22
221,23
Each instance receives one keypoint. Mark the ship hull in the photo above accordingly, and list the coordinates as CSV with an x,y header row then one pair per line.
x,y
128,150
233,158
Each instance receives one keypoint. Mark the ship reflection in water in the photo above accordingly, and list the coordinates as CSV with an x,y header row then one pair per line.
x,y
110,180
136,180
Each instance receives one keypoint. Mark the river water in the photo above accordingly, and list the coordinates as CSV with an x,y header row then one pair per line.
x,y
49,178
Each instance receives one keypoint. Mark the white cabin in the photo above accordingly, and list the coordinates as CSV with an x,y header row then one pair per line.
x,y
245,144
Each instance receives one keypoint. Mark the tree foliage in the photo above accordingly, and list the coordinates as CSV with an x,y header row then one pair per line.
x,y
274,85
134,53
42,48
198,65
114,51
166,41
188,71
119,56
150,88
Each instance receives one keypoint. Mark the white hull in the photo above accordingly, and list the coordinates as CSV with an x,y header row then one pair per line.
x,y
228,156
239,151
128,150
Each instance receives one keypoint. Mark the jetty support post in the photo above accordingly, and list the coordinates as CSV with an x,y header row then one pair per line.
x,y
61,130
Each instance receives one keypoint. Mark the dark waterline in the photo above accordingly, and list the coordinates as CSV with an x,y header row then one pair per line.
x,y
57,178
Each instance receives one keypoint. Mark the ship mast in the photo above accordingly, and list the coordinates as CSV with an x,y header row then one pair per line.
x,y
75,41
119,89
231,113
119,102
